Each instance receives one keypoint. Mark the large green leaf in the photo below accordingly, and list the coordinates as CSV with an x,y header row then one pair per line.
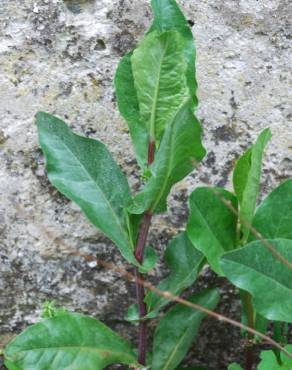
x,y
184,263
255,269
84,171
168,16
159,71
179,153
68,341
212,225
177,330
269,360
246,180
273,218
129,109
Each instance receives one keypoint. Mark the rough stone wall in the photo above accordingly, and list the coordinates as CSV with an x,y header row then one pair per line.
x,y
60,57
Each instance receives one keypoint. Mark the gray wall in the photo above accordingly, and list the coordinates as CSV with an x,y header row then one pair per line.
x,y
60,56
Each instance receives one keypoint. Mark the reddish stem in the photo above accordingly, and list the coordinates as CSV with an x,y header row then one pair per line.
x,y
139,254
249,356
151,152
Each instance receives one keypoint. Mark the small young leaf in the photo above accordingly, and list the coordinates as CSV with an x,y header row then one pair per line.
x,y
68,341
129,108
184,262
168,16
177,330
273,218
255,269
234,367
132,314
212,225
270,362
150,260
84,171
179,153
246,179
49,310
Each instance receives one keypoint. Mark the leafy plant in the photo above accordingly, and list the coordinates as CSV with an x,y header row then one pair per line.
x,y
156,94
251,247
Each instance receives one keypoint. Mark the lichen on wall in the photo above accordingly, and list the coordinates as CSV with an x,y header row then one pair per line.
x,y
60,57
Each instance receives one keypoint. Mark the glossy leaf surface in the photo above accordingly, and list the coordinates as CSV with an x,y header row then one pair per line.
x,y
255,269
159,71
179,153
177,330
184,263
273,218
269,360
246,180
168,16
129,108
212,225
85,172
68,341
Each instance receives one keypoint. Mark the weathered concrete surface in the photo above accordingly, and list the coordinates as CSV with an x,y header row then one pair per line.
x,y
60,56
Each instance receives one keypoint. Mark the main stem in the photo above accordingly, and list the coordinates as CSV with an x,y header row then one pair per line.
x,y
139,254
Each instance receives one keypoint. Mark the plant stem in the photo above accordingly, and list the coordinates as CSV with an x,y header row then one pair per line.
x,y
151,152
278,337
248,307
139,254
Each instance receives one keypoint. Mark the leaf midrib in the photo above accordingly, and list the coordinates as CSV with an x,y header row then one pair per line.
x,y
62,348
208,227
253,270
155,97
117,221
176,291
166,177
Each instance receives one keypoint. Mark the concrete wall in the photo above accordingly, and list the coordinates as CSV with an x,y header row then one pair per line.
x,y
60,56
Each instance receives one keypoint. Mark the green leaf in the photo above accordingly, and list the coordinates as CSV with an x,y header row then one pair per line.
x,y
132,314
159,71
68,341
168,16
129,109
246,180
212,225
150,260
184,263
269,360
85,172
177,330
234,367
191,368
255,269
273,218
179,153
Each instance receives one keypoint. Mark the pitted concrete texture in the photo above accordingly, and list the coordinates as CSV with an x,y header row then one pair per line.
x,y
60,57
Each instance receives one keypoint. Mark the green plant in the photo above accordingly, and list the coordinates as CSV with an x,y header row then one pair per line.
x,y
251,247
156,93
